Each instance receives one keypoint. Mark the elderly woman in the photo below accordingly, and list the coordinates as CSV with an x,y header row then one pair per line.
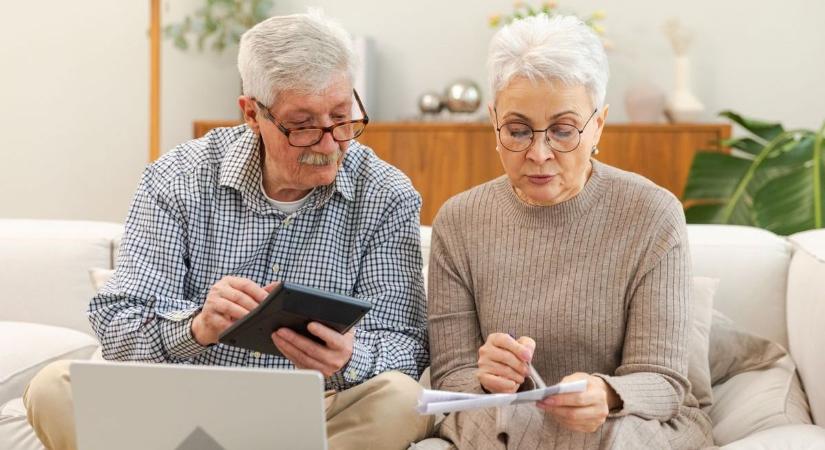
x,y
588,264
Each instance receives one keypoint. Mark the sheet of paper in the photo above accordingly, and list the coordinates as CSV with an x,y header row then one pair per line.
x,y
438,402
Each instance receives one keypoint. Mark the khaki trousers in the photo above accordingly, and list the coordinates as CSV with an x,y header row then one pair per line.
x,y
377,414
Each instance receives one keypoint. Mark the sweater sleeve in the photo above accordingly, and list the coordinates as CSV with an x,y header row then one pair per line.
x,y
454,330
652,377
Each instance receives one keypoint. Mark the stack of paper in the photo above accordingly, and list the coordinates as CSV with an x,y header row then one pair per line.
x,y
438,402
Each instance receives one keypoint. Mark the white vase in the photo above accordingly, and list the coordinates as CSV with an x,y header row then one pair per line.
x,y
682,105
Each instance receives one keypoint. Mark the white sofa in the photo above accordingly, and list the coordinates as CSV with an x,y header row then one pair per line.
x,y
770,286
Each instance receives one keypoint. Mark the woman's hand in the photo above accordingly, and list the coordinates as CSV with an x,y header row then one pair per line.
x,y
502,362
582,411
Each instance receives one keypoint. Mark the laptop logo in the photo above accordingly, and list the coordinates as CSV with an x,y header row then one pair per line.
x,y
199,439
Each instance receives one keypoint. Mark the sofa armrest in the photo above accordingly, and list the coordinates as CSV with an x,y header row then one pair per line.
x,y
806,314
31,347
788,437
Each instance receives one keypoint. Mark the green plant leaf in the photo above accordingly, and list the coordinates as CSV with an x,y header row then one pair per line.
x,y
704,213
777,185
746,144
261,8
765,130
180,42
714,176
785,205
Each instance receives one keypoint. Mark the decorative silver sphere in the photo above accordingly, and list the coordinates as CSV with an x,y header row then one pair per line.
x,y
462,96
430,103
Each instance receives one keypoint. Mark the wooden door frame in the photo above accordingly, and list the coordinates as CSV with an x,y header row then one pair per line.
x,y
154,80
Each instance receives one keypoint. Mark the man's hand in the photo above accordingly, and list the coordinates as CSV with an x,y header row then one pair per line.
x,y
308,354
502,362
227,301
582,411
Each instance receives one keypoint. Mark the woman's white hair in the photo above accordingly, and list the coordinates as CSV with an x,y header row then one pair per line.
x,y
542,48
299,52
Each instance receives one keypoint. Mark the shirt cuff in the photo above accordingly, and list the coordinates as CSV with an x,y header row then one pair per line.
x,y
176,333
358,369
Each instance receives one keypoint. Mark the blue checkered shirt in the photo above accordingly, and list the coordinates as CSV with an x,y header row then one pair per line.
x,y
199,214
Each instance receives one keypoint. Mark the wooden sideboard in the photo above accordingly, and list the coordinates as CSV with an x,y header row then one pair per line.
x,y
443,159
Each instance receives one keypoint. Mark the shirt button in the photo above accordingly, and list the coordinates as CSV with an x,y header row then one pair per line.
x,y
256,354
351,374
287,221
276,268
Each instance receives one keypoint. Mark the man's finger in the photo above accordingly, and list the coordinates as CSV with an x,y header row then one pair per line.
x,y
249,287
272,286
296,355
333,339
229,309
308,346
240,298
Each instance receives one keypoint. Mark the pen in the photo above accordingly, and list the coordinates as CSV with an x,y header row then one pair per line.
x,y
536,377
534,374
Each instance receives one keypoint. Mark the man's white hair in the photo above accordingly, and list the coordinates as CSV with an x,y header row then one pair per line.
x,y
299,52
542,48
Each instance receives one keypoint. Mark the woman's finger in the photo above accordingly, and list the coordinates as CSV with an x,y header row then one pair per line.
x,y
502,356
496,384
507,342
502,371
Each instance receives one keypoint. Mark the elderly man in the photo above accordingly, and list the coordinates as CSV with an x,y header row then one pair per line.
x,y
288,196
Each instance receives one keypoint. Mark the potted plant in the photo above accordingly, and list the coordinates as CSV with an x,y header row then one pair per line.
x,y
218,23
771,179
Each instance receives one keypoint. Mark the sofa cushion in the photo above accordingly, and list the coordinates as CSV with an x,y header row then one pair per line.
x,y
34,346
15,431
46,263
100,276
758,400
698,366
752,266
793,437
806,316
734,351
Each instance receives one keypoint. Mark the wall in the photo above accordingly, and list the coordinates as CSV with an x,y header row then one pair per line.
x,y
762,59
73,108
74,84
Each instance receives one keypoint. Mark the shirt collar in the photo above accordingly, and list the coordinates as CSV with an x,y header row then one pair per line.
x,y
241,170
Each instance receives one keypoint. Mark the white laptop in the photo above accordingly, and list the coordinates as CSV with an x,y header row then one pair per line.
x,y
182,407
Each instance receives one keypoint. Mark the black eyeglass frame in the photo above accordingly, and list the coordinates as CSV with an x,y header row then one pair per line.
x,y
546,137
324,130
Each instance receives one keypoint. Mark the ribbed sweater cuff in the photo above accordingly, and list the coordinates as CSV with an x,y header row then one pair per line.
x,y
646,395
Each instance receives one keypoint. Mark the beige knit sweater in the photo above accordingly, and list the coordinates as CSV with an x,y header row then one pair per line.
x,y
601,282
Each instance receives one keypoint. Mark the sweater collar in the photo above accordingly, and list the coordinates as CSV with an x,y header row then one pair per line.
x,y
555,215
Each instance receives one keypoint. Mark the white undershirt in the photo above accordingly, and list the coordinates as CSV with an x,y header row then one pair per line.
x,y
287,207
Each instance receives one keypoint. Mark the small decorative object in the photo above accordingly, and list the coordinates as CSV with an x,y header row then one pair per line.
x,y
682,105
644,102
224,21
522,9
430,103
462,96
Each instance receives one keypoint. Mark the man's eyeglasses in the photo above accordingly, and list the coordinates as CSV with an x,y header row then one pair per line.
x,y
562,137
309,136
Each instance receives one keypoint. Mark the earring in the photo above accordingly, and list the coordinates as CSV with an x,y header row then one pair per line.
x,y
594,150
